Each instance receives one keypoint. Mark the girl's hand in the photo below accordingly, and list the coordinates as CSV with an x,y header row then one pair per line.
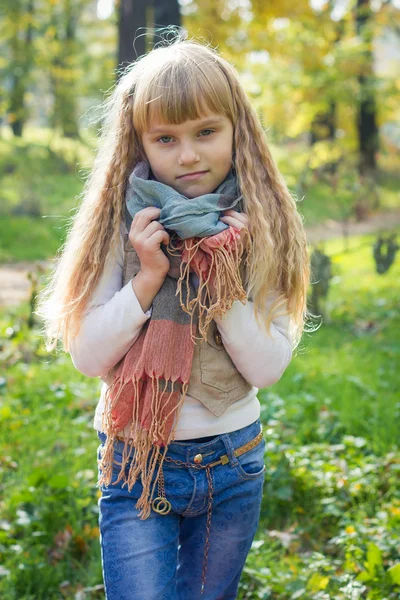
x,y
146,236
236,219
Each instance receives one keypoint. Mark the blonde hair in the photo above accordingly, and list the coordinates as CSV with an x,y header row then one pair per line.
x,y
178,82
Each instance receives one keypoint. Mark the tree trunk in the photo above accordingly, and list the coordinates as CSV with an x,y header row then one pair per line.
x,y
368,135
17,105
132,36
135,16
166,12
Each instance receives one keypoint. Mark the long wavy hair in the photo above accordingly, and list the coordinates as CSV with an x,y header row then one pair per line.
x,y
177,82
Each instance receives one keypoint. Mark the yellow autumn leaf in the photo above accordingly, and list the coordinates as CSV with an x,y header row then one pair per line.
x,y
317,582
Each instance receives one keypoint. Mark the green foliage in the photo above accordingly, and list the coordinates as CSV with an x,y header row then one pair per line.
x,y
54,56
48,527
42,176
329,524
330,520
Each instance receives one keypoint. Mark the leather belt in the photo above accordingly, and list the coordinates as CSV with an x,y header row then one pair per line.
x,y
239,451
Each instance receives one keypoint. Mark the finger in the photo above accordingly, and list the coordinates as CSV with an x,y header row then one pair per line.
x,y
159,237
237,215
234,222
147,212
151,228
144,217
148,209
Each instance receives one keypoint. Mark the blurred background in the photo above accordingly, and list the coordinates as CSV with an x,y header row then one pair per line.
x,y
324,77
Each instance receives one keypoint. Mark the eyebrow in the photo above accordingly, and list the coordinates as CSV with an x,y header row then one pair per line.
x,y
210,121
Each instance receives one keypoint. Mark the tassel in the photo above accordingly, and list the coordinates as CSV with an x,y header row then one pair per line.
x,y
145,444
217,263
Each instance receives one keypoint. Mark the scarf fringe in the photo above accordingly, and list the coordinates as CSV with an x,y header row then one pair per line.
x,y
144,446
223,274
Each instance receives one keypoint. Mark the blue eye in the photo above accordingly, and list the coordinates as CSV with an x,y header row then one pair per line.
x,y
168,137
205,130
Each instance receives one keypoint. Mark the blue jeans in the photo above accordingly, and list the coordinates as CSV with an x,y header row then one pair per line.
x,y
160,558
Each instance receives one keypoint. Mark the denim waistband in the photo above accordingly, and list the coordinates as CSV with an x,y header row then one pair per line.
x,y
225,443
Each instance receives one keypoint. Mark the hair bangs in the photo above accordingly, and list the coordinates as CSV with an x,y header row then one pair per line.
x,y
179,92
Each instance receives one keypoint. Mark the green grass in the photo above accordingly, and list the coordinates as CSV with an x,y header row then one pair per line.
x,y
42,176
27,239
332,456
349,364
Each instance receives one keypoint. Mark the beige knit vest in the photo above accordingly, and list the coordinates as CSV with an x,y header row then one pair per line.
x,y
214,380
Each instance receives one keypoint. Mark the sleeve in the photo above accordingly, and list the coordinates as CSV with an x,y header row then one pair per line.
x,y
260,358
111,324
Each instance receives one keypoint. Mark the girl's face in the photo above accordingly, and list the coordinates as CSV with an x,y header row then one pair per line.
x,y
193,157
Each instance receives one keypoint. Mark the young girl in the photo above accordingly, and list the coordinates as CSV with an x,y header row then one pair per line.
x,y
183,286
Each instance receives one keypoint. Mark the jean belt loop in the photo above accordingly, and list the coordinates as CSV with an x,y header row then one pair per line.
x,y
233,461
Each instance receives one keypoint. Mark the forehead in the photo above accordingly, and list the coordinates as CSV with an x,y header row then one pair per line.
x,y
179,93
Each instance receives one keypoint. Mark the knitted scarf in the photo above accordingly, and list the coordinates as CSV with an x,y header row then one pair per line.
x,y
151,380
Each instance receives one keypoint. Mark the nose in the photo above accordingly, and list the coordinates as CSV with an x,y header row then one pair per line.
x,y
187,155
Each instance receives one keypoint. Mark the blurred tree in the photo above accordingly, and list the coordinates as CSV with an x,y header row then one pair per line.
x,y
323,126
132,17
306,66
321,269
166,13
17,32
221,23
135,17
308,70
367,128
63,63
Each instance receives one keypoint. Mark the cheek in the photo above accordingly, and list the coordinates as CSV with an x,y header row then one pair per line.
x,y
225,159
225,156
153,159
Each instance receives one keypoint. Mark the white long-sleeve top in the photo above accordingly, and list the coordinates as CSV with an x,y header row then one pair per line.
x,y
114,319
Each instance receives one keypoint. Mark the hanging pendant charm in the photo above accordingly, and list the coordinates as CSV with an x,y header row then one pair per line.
x,y
161,505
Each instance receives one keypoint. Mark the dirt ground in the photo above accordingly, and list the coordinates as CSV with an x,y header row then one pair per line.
x,y
15,286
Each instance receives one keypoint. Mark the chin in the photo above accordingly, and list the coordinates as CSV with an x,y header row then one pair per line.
x,y
194,191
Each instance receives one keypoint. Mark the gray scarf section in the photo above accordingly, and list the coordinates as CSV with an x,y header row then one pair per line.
x,y
187,217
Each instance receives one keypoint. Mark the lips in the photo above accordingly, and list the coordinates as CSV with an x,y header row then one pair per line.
x,y
193,175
